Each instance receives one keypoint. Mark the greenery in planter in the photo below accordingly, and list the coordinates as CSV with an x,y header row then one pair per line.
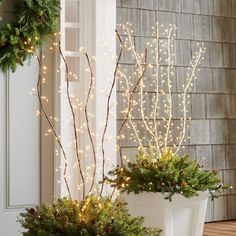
x,y
156,120
34,20
92,216
169,174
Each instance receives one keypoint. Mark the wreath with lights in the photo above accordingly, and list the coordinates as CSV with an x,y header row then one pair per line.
x,y
33,21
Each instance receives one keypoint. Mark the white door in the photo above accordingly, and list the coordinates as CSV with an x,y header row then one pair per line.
x,y
19,147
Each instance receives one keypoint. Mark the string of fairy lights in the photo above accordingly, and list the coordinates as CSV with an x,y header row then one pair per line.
x,y
77,108
146,106
148,110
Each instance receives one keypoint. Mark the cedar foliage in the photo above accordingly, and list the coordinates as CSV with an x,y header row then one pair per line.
x,y
90,217
169,174
34,21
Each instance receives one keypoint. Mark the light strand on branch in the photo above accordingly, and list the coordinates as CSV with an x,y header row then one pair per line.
x,y
197,59
83,108
92,78
169,67
74,120
57,138
158,123
128,112
156,96
108,109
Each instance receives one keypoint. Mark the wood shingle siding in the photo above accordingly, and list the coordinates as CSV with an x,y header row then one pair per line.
x,y
213,98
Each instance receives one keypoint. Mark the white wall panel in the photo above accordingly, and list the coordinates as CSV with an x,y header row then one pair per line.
x,y
23,155
19,147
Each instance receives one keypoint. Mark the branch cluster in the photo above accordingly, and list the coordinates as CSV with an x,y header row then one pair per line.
x,y
147,93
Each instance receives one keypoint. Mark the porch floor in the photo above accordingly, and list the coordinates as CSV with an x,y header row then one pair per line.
x,y
225,228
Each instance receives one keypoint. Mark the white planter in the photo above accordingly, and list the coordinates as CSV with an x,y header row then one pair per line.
x,y
180,217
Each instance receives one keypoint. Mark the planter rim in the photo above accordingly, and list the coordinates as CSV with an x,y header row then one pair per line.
x,y
161,196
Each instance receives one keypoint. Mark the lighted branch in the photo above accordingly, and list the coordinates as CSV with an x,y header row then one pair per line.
x,y
108,109
159,122
128,111
169,67
74,120
141,84
89,94
84,108
57,138
74,127
196,61
41,80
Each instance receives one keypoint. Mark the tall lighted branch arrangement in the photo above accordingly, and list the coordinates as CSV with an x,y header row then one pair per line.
x,y
154,133
76,108
150,121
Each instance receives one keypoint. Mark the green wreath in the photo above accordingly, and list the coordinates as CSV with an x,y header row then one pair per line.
x,y
34,20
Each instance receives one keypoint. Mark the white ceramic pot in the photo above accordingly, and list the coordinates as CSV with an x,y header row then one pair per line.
x,y
180,217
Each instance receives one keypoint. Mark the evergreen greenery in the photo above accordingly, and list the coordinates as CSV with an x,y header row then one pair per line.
x,y
90,217
34,20
169,174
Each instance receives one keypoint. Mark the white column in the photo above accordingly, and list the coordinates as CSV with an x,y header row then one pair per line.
x,y
98,26
105,30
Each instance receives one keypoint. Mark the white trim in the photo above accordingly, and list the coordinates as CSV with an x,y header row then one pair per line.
x,y
100,27
105,29
71,54
72,25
